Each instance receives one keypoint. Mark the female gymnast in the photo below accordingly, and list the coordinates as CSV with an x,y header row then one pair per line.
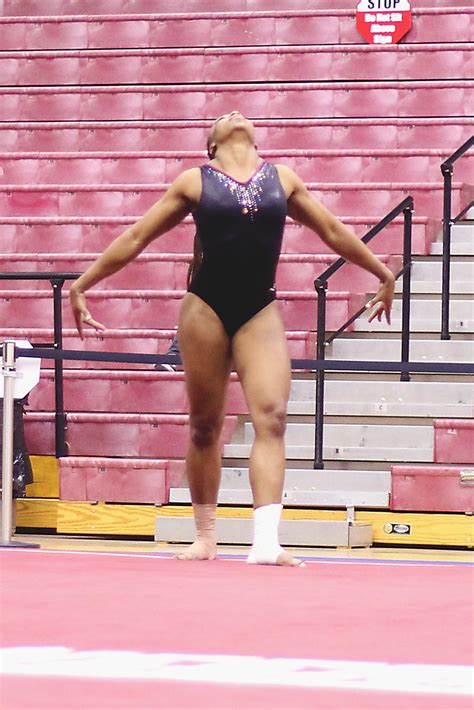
x,y
229,316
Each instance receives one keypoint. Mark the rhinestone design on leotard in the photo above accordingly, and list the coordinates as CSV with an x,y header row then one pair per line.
x,y
248,194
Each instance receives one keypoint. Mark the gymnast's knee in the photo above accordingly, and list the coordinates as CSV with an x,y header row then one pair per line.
x,y
271,420
205,431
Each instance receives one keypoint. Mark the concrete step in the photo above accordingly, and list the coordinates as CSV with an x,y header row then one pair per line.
x,y
429,350
293,533
322,498
426,277
458,248
306,487
425,317
462,232
311,479
386,398
347,442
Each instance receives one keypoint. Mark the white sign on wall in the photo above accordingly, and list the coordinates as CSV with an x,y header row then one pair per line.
x,y
383,21
27,373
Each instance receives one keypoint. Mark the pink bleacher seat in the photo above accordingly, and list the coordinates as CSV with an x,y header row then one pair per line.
x,y
248,30
45,235
113,7
449,100
19,171
366,63
454,441
8,239
182,30
413,168
47,104
208,101
114,480
43,137
343,133
142,435
430,488
119,480
439,25
310,26
240,65
9,139
302,270
134,170
301,343
300,240
126,391
112,340
10,106
113,68
110,105
160,309
48,71
88,202
355,199
307,29
440,62
298,308
13,35
75,168
332,133
139,168
177,67
10,70
177,135
57,35
119,33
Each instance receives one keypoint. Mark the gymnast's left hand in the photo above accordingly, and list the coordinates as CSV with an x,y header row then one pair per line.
x,y
383,299
81,312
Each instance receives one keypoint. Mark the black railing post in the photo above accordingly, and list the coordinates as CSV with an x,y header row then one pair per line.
x,y
321,288
60,416
447,171
406,294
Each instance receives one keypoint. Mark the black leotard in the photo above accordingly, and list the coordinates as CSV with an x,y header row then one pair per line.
x,y
240,226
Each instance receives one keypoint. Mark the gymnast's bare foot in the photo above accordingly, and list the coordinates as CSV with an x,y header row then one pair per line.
x,y
277,556
284,559
199,550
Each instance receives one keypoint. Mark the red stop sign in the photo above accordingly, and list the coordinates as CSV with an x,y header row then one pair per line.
x,y
383,21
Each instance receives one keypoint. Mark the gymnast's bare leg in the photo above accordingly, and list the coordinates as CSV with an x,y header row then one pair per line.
x,y
261,358
205,351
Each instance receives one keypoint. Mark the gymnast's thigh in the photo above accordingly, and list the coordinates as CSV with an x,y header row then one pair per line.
x,y
262,361
206,355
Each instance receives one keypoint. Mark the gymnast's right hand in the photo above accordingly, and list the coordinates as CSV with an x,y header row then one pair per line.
x,y
80,311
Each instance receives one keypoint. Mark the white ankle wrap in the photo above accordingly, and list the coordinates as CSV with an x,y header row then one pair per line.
x,y
266,548
205,521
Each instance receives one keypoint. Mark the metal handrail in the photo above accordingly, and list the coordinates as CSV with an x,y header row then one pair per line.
x,y
56,280
321,286
447,172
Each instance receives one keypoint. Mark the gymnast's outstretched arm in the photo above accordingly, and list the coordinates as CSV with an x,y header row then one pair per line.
x,y
303,208
165,214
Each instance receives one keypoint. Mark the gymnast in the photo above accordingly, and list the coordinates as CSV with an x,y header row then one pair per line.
x,y
229,316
